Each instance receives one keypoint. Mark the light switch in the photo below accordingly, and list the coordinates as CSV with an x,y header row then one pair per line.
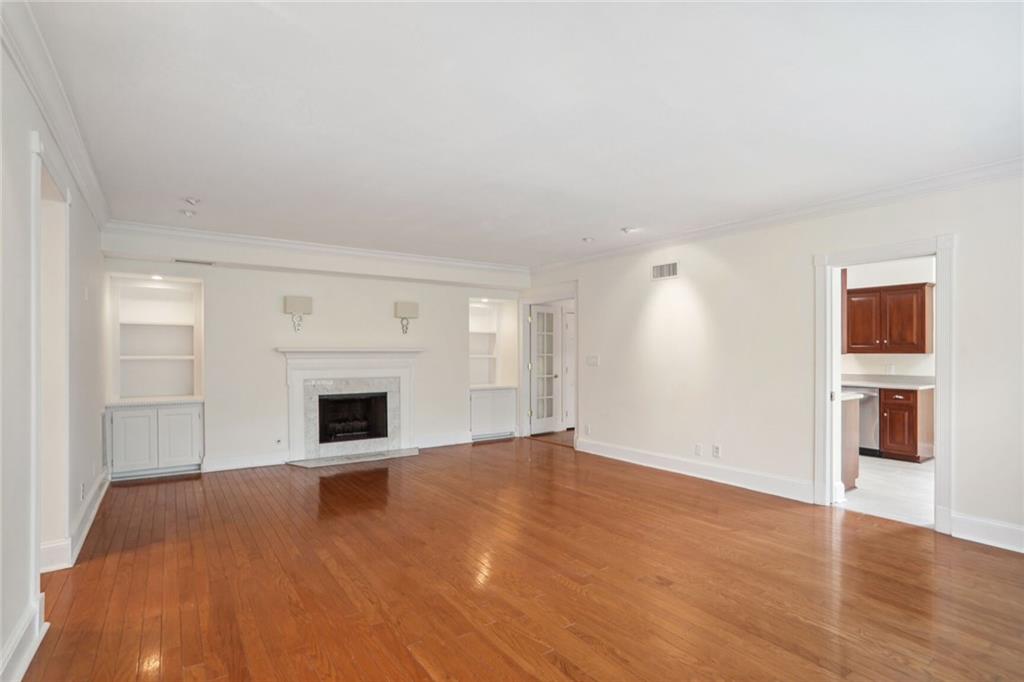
x,y
593,361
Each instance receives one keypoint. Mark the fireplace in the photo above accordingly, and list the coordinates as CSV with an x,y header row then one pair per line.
x,y
353,416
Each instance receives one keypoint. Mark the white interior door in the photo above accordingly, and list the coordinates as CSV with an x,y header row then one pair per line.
x,y
545,365
568,369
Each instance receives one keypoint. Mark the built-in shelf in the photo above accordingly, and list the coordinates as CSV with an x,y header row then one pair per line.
x,y
157,339
128,323
156,400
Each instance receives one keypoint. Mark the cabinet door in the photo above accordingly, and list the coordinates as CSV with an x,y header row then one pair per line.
x,y
492,412
864,321
904,320
134,440
181,436
898,430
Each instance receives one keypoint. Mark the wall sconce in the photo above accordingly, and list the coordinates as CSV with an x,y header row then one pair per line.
x,y
297,306
405,311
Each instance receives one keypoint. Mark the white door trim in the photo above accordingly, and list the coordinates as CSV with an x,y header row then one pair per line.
x,y
827,350
39,161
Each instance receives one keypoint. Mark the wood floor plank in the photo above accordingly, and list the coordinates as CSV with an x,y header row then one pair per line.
x,y
515,560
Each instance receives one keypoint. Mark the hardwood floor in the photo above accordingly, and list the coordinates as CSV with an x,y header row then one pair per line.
x,y
516,560
565,438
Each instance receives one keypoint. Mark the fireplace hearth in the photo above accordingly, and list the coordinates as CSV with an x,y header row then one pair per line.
x,y
353,416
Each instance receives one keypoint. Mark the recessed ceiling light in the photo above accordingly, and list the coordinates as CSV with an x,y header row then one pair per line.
x,y
156,277
188,213
192,201
588,240
485,300
629,230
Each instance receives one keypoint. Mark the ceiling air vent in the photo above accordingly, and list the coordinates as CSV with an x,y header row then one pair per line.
x,y
189,261
665,271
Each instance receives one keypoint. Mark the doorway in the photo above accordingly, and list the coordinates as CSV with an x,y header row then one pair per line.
x,y
53,373
552,371
888,390
884,381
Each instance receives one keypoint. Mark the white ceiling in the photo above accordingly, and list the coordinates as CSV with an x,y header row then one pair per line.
x,y
507,133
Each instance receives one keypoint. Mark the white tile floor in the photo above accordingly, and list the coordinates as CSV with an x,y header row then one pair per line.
x,y
896,490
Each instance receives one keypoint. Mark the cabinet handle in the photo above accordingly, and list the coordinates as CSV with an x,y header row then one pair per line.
x,y
886,341
898,397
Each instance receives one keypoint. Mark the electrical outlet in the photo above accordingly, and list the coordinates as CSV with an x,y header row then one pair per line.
x,y
81,494
586,429
716,451
698,450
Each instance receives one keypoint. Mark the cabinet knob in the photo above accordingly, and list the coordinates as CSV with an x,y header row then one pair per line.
x,y
885,414
877,341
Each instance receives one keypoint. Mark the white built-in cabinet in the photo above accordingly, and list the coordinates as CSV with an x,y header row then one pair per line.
x,y
153,440
154,421
493,368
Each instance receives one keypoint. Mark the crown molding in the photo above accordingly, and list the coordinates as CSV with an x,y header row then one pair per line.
x,y
27,50
937,183
212,237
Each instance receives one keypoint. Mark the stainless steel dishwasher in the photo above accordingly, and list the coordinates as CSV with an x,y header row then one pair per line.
x,y
869,418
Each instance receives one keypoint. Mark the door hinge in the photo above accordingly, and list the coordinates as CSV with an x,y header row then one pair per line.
x,y
530,413
832,396
529,366
529,318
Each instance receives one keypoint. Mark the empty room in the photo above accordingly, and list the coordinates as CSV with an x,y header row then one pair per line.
x,y
511,341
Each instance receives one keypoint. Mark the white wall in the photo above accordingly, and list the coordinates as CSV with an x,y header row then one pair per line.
x,y
19,584
890,273
245,391
725,352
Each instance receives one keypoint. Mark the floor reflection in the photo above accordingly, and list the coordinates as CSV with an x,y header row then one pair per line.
x,y
349,492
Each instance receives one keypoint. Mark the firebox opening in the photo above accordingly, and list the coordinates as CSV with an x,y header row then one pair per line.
x,y
353,416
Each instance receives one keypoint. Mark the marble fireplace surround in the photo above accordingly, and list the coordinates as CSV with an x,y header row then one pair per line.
x,y
315,371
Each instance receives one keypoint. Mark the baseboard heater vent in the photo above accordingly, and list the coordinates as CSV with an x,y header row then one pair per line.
x,y
665,271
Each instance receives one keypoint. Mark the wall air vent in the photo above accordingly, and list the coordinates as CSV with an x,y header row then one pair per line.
x,y
665,271
193,262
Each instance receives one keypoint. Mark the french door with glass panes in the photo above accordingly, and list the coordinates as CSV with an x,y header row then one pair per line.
x,y
545,383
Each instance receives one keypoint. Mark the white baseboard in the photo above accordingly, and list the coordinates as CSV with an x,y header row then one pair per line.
x,y
80,528
988,532
21,646
267,459
54,555
782,486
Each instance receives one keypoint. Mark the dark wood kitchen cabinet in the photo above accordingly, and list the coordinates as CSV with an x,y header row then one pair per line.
x,y
896,319
907,424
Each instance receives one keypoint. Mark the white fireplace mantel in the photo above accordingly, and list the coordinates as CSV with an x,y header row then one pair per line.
x,y
317,364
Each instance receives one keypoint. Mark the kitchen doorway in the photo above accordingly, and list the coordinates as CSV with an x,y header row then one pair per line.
x,y
888,390
884,381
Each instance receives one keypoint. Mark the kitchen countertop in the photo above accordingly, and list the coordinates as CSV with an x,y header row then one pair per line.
x,y
896,381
